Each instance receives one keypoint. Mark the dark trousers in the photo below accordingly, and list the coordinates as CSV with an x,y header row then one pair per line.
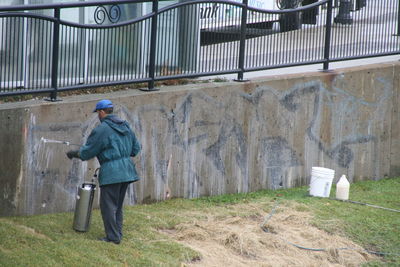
x,y
111,203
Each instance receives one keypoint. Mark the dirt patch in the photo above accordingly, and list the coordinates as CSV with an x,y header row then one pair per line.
x,y
241,241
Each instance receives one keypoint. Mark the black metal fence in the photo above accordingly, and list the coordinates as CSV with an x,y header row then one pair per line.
x,y
58,47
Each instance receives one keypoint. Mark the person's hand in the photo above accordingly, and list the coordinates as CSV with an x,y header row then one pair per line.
x,y
73,154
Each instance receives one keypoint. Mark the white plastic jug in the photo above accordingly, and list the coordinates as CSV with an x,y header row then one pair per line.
x,y
342,188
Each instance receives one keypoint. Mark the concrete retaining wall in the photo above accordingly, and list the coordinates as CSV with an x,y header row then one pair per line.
x,y
220,138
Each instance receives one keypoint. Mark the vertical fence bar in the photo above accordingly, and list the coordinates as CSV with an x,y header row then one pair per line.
x,y
102,55
328,36
90,50
17,48
242,44
54,63
35,56
398,17
10,54
63,57
153,42
8,70
42,53
2,60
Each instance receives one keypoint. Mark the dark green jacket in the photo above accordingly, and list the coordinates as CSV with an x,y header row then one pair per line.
x,y
113,143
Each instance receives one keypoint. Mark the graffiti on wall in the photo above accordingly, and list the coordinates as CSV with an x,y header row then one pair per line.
x,y
352,115
268,129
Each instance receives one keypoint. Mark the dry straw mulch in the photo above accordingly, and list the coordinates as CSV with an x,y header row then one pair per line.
x,y
240,241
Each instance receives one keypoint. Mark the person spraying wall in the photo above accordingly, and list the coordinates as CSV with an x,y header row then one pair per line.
x,y
113,143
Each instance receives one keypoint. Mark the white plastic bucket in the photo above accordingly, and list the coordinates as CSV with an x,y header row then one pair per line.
x,y
321,181
322,170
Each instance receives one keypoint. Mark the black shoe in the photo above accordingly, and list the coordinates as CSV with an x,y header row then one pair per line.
x,y
105,239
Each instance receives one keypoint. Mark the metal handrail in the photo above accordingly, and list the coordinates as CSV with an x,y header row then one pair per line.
x,y
116,51
68,5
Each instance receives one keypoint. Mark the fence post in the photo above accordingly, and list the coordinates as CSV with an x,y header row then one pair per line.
x,y
54,61
242,44
328,28
153,40
398,18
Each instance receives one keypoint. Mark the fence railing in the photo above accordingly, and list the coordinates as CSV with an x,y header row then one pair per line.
x,y
58,47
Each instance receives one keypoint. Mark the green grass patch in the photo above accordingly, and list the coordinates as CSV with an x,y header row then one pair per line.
x,y
49,240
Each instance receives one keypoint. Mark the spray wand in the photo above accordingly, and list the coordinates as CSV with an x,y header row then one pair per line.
x,y
44,140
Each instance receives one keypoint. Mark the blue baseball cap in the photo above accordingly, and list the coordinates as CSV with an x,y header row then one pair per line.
x,y
103,104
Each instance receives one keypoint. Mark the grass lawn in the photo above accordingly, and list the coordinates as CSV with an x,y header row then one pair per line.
x,y
49,240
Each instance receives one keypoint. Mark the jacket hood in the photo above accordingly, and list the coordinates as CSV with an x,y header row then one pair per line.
x,y
117,124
